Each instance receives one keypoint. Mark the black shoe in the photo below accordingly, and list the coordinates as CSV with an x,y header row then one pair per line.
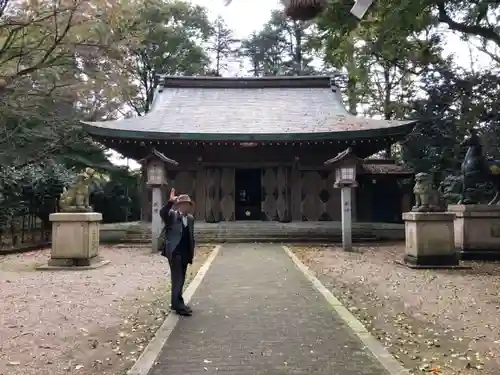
x,y
184,312
185,307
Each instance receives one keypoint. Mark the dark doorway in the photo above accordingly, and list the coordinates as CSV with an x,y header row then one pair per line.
x,y
386,201
248,194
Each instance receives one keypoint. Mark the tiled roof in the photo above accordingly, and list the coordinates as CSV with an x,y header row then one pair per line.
x,y
226,107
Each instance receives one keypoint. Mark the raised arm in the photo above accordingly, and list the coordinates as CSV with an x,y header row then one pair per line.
x,y
166,212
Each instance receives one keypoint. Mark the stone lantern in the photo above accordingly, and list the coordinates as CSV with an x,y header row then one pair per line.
x,y
156,164
346,164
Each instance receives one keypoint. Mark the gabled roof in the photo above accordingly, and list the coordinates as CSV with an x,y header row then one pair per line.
x,y
242,109
157,154
345,155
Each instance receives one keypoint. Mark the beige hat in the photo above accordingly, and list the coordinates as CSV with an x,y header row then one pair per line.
x,y
184,198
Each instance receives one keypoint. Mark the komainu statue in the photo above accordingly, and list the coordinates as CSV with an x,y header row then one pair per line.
x,y
426,196
76,197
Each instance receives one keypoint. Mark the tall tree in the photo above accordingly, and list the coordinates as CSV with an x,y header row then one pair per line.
x,y
279,48
253,49
222,46
170,35
40,40
454,101
43,47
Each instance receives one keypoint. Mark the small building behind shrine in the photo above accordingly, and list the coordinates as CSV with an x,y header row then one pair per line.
x,y
254,148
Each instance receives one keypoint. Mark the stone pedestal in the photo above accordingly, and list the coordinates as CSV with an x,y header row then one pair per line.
x,y
477,231
430,240
75,240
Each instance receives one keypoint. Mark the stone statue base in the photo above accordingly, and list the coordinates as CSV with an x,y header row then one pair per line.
x,y
429,240
477,231
75,241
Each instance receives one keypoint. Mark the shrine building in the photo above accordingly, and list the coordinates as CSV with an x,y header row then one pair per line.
x,y
254,148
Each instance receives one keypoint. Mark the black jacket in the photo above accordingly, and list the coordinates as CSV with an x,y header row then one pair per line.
x,y
173,231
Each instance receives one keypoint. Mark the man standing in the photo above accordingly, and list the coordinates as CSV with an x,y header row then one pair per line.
x,y
179,245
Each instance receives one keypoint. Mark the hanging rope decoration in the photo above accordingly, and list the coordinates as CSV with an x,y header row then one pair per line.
x,y
304,10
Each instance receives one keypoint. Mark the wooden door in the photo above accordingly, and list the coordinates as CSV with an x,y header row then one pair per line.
x,y
312,205
213,195
269,193
283,181
200,194
227,194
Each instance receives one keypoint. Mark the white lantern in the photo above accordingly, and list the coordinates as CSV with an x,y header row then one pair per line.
x,y
345,173
345,165
155,164
156,172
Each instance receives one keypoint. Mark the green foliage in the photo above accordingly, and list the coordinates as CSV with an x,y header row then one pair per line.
x,y
118,199
394,68
33,189
454,101
66,62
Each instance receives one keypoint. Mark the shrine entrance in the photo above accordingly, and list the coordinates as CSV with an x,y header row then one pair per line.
x,y
248,194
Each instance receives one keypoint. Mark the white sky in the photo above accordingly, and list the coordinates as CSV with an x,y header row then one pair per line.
x,y
244,17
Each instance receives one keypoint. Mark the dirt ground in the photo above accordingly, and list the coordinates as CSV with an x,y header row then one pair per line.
x,y
434,321
82,322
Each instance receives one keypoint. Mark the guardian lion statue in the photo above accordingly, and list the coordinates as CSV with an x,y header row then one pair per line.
x,y
427,198
76,197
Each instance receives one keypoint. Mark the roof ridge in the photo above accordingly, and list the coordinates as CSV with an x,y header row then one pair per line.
x,y
319,81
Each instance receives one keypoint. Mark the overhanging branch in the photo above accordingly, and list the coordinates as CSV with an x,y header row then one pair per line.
x,y
488,33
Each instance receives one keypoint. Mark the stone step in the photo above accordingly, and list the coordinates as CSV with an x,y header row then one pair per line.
x,y
239,237
260,232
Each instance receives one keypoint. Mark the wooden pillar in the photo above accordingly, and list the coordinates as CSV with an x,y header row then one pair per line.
x,y
283,202
227,209
354,216
269,186
296,193
212,196
144,196
200,192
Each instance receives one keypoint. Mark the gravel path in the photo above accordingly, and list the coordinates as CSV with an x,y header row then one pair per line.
x,y
81,322
439,322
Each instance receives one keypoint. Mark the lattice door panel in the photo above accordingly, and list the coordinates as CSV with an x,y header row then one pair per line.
x,y
213,194
270,193
284,194
319,198
227,194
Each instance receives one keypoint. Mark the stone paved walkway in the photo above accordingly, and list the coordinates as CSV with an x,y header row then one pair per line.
x,y
256,314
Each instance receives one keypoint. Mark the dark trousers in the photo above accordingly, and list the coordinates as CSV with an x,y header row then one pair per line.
x,y
178,267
